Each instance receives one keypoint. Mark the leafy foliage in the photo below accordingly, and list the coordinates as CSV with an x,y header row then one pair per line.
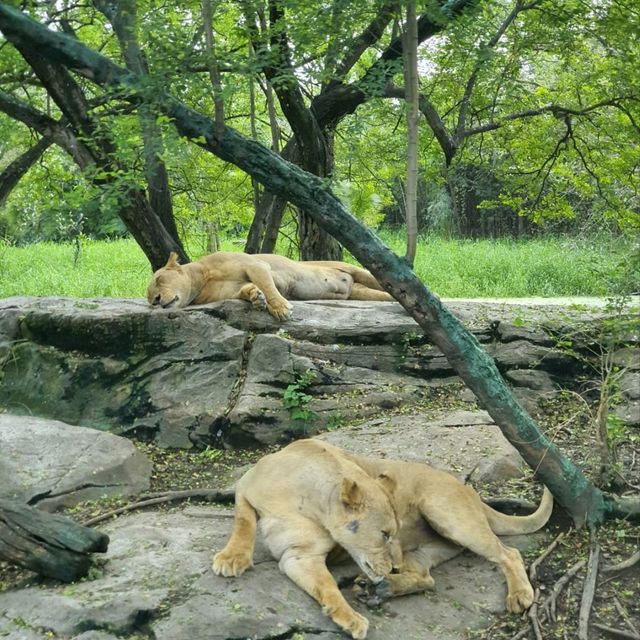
x,y
538,101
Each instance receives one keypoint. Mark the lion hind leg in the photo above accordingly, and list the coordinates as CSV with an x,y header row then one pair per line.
x,y
237,555
467,527
362,292
310,573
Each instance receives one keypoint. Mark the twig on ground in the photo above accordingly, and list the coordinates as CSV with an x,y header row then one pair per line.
x,y
551,602
625,616
619,633
213,495
625,564
543,556
588,592
533,617
547,610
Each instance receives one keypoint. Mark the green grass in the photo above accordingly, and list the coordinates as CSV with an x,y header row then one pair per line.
x,y
455,269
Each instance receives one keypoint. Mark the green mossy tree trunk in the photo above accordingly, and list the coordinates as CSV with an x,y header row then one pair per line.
x,y
585,502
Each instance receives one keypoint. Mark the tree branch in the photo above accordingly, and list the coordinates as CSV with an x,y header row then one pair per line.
x,y
481,60
371,34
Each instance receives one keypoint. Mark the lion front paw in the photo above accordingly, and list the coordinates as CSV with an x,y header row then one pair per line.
x,y
280,309
520,600
351,621
230,563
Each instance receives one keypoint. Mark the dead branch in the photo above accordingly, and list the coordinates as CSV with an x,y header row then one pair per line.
x,y
547,610
551,602
619,633
533,617
543,556
212,495
625,564
625,616
588,592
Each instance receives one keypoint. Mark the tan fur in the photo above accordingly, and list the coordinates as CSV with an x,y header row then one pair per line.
x,y
439,514
309,495
310,498
266,280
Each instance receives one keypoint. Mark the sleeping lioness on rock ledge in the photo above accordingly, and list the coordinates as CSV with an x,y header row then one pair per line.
x,y
396,519
267,281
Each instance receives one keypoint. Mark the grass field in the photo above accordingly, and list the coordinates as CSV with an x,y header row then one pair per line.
x,y
456,269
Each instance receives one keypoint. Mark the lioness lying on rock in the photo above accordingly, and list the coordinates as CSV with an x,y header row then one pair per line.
x,y
312,497
267,281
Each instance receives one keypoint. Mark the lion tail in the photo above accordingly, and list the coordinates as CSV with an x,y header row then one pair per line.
x,y
504,525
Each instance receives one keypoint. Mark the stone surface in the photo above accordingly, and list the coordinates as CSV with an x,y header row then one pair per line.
x,y
156,582
217,374
466,443
50,464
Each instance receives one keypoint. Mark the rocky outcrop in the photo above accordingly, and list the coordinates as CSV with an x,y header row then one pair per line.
x,y
225,373
49,464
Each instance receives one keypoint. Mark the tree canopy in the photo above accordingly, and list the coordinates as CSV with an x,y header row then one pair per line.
x,y
529,112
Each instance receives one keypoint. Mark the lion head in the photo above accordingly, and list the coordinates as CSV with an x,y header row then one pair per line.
x,y
170,286
366,525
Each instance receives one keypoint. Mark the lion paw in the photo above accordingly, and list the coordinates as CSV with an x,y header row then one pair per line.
x,y
230,563
373,595
280,309
520,600
352,622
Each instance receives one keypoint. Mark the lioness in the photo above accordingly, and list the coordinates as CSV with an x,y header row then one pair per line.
x,y
312,496
266,280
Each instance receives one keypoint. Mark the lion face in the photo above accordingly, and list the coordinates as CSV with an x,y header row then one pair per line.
x,y
367,527
171,285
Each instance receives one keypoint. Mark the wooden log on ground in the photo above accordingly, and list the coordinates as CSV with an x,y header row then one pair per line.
x,y
51,545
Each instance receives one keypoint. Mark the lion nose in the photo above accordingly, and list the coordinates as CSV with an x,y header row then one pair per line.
x,y
156,300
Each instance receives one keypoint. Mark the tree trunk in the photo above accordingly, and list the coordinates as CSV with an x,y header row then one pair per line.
x,y
14,171
51,545
123,17
413,113
571,488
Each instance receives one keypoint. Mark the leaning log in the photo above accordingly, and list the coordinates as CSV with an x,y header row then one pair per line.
x,y
51,545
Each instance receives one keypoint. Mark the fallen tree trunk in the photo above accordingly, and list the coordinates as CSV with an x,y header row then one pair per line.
x,y
584,501
51,545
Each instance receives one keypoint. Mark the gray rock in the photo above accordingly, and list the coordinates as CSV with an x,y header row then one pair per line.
x,y
629,411
630,384
51,464
217,374
157,574
532,379
464,442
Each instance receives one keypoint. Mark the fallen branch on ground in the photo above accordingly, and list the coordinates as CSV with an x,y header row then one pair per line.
x,y
589,591
212,495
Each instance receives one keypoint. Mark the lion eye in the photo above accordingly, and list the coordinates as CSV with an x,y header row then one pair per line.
x,y
386,536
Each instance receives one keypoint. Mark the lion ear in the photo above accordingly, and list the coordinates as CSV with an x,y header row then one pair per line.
x,y
351,494
172,262
388,483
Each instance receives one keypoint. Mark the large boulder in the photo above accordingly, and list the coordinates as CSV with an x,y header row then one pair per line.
x,y
50,464
220,373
